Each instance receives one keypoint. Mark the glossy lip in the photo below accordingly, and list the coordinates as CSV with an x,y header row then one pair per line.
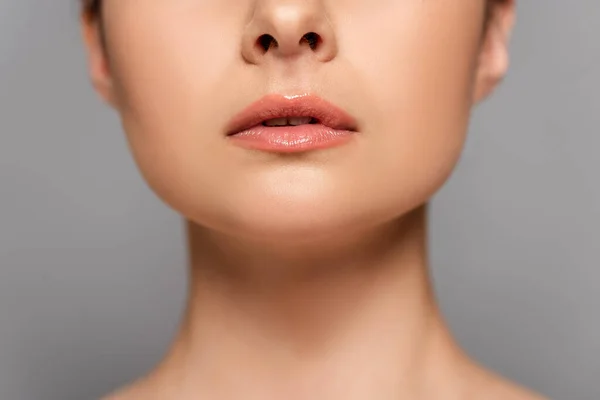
x,y
278,106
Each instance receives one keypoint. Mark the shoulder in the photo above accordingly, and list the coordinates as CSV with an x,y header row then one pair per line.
x,y
138,390
493,386
513,392
122,394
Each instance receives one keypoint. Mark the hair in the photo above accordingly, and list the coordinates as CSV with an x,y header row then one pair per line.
x,y
92,7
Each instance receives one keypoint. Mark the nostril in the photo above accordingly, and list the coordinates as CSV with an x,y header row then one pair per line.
x,y
265,41
312,38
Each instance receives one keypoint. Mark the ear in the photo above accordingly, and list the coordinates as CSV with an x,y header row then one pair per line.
x,y
98,65
493,60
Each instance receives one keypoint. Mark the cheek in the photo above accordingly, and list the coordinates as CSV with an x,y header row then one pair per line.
x,y
170,77
416,73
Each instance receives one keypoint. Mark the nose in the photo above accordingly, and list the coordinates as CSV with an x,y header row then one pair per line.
x,y
288,29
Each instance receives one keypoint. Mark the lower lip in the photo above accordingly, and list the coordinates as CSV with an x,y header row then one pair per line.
x,y
291,139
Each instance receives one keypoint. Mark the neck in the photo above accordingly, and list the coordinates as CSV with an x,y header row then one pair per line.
x,y
353,319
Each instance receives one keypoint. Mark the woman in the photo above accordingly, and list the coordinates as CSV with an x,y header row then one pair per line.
x,y
301,140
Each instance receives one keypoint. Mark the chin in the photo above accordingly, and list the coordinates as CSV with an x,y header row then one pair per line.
x,y
302,202
286,220
304,225
318,220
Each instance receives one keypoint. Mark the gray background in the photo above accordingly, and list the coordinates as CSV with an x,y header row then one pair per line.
x,y
92,264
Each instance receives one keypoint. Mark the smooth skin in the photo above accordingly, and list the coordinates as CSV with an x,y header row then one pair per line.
x,y
308,273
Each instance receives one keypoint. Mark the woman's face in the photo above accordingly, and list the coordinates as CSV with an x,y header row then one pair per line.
x,y
408,71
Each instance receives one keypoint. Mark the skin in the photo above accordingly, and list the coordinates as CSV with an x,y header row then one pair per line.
x,y
308,273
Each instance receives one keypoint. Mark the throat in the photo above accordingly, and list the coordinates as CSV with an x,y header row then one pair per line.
x,y
360,323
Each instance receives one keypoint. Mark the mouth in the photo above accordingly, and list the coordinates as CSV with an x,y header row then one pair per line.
x,y
278,111
282,124
290,121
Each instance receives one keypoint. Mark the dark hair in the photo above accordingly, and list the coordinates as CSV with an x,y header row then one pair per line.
x,y
92,8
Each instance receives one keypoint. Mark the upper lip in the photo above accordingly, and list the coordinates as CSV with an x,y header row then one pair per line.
x,y
280,106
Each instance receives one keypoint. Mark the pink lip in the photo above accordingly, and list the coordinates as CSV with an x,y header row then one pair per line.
x,y
334,126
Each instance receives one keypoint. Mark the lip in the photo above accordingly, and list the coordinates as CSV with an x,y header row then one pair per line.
x,y
333,126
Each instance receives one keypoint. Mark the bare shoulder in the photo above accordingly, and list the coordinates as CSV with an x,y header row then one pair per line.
x,y
514,392
128,393
139,390
493,386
